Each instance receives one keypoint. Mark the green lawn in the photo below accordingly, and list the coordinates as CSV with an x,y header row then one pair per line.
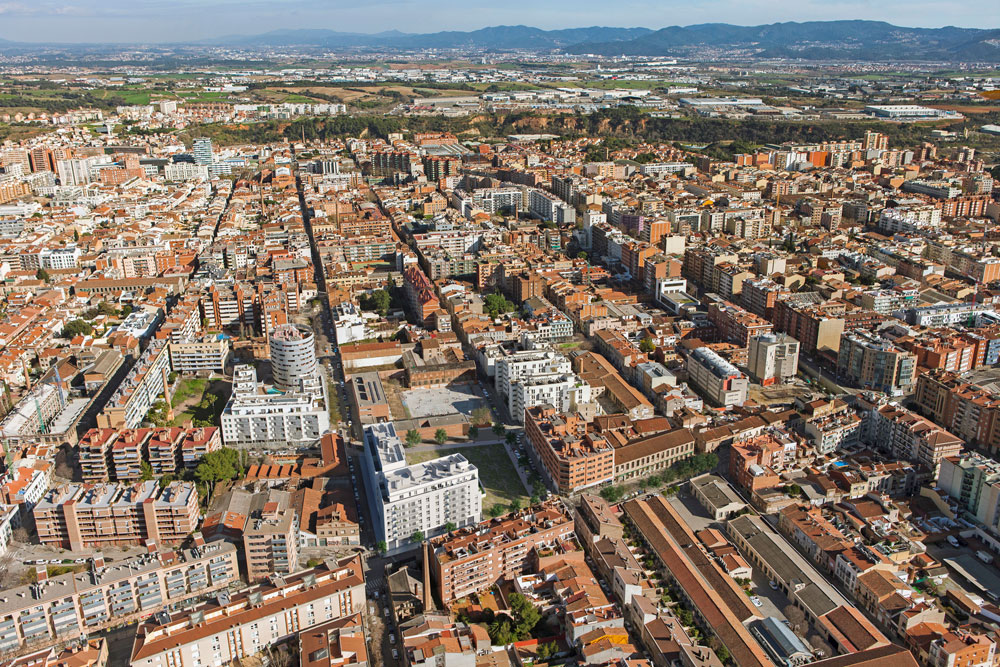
x,y
496,472
189,387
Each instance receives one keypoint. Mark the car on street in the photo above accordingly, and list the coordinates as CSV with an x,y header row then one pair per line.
x,y
773,585
756,601
395,654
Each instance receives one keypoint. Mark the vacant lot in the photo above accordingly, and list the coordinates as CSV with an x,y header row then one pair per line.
x,y
496,472
431,402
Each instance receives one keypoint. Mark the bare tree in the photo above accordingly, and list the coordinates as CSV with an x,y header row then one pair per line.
x,y
796,618
821,646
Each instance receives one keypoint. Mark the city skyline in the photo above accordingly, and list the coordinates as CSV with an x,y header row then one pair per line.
x,y
155,21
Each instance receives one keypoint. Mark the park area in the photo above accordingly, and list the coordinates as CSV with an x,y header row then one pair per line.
x,y
199,400
496,472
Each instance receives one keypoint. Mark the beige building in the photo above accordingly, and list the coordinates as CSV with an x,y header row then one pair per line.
x,y
85,516
245,623
65,607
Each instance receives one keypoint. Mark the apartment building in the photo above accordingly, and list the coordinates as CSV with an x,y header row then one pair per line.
x,y
974,482
205,354
240,625
93,452
908,436
128,453
773,358
967,410
473,559
572,459
868,361
66,607
145,383
816,327
271,538
562,390
256,416
85,516
719,381
736,325
424,497
512,366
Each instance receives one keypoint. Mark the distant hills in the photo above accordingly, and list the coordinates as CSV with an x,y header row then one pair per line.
x,y
811,40
492,38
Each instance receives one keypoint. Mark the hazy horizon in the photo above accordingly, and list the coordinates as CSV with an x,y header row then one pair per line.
x,y
152,21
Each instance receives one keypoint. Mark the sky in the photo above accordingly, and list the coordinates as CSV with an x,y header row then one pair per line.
x,y
133,21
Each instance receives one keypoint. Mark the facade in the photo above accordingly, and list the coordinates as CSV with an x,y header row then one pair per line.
x,y
207,354
84,516
908,436
423,497
867,361
719,381
293,356
473,559
270,542
572,459
256,416
237,626
773,358
69,606
562,390
143,386
974,482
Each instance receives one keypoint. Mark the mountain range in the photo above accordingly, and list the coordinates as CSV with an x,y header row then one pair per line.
x,y
811,40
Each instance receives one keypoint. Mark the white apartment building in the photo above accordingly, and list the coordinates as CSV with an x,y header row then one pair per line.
x,y
773,358
560,390
527,363
237,626
185,171
718,380
549,207
259,416
421,497
68,606
293,356
349,324
909,218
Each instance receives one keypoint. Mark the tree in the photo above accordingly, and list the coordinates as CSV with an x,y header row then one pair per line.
x,y
515,505
413,437
381,546
147,471
498,429
440,436
722,653
76,328
448,527
581,255
42,275
496,510
612,493
546,651
417,536
796,618
511,438
379,301
473,432
481,415
313,562
166,479
647,345
501,630
526,615
497,303
221,465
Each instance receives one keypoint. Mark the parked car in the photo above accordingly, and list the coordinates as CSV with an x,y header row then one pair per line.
x,y
756,601
773,585
395,654
392,638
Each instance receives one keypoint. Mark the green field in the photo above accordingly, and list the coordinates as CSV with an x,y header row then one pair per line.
x,y
496,472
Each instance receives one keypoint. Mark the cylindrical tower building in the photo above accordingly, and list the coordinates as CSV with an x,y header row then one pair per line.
x,y
293,356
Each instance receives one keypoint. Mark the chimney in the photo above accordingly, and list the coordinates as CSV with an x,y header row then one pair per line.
x,y
41,573
428,600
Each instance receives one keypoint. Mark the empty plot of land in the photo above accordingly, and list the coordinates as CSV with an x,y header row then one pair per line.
x,y
436,401
496,472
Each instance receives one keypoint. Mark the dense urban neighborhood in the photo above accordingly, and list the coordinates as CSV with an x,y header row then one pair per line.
x,y
473,357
